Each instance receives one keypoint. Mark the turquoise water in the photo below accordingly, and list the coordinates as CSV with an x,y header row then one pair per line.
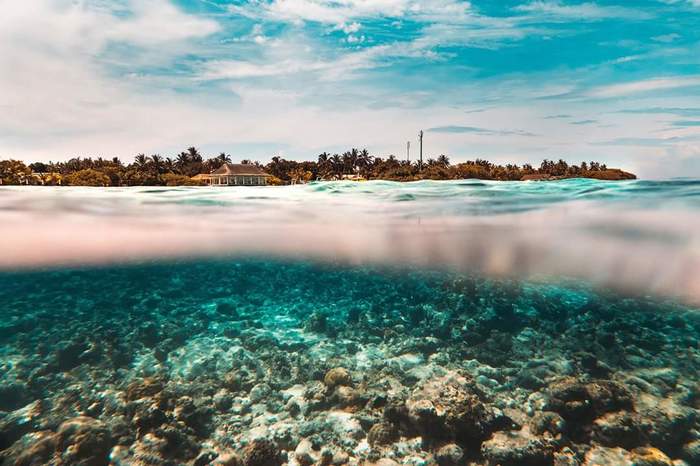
x,y
447,323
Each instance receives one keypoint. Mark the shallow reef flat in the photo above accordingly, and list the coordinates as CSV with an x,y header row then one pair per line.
x,y
264,363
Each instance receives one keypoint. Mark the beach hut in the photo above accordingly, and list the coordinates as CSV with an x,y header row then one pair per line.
x,y
238,174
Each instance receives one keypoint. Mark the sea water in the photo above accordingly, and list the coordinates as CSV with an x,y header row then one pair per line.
x,y
450,323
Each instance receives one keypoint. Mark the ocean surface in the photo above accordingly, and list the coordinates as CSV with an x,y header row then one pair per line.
x,y
376,323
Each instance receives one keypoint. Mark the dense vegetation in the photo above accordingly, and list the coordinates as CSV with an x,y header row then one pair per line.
x,y
165,171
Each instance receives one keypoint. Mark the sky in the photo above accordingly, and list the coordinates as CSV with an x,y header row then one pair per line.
x,y
512,81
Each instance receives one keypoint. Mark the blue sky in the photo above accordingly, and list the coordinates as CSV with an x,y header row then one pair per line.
x,y
511,80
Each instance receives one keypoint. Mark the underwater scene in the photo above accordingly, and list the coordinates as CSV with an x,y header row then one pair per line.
x,y
378,323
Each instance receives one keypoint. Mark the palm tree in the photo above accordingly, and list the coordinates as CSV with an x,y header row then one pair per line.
x,y
194,154
364,161
224,158
141,161
443,160
157,162
337,165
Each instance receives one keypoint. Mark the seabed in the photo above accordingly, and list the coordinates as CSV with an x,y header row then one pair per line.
x,y
262,363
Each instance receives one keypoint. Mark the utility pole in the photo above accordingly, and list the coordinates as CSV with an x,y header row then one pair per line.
x,y
420,138
408,151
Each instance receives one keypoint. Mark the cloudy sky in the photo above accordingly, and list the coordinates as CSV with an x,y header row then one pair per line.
x,y
508,80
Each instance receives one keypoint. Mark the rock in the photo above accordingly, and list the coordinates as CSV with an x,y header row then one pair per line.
x,y
317,322
691,452
232,380
339,458
228,459
204,458
223,400
176,442
667,424
13,395
449,455
143,388
619,429
17,423
193,416
259,392
448,408
304,453
337,376
262,452
68,355
582,402
344,425
84,441
603,456
516,449
547,422
648,456
228,310
347,396
35,449
385,462
381,433
565,457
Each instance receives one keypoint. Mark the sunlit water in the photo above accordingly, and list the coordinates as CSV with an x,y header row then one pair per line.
x,y
478,322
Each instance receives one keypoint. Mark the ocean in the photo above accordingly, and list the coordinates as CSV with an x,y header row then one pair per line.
x,y
376,323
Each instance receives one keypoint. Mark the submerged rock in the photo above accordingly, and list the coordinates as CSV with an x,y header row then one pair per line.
x,y
33,449
548,422
691,452
262,452
382,433
13,395
15,424
337,376
449,408
449,455
621,429
517,449
84,441
582,402
228,459
648,456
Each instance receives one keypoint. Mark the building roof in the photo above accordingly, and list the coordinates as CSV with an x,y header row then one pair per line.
x,y
239,169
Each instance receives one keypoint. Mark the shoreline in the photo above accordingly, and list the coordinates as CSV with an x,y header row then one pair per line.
x,y
191,169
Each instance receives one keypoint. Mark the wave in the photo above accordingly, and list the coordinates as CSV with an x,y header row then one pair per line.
x,y
640,236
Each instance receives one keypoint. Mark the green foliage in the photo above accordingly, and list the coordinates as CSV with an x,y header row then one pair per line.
x,y
14,172
156,170
172,179
87,177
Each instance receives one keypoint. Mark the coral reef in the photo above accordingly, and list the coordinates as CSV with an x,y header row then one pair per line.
x,y
264,363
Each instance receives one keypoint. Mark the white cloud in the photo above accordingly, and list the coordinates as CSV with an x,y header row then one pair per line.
x,y
647,85
350,28
691,2
288,61
343,11
60,24
667,38
556,10
55,86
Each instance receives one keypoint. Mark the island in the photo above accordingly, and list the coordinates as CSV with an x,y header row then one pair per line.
x,y
191,168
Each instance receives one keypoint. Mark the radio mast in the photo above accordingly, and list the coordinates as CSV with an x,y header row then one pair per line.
x,y
408,151
420,138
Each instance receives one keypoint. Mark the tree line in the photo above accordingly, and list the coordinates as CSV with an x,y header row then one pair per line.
x,y
156,170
